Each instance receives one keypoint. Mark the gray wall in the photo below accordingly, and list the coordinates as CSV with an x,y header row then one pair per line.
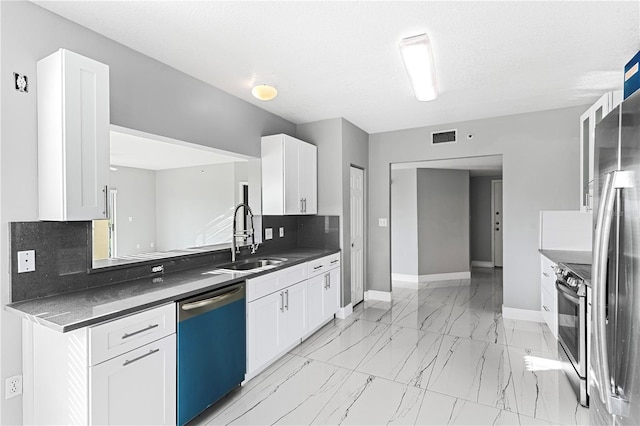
x,y
200,200
340,145
136,199
443,221
540,167
481,217
404,222
145,95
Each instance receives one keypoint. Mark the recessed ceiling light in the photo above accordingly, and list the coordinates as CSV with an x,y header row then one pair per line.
x,y
264,91
418,59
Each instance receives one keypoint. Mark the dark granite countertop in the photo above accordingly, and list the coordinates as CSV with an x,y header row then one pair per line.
x,y
70,311
567,256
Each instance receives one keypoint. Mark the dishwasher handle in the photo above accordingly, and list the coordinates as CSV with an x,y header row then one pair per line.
x,y
210,301
206,302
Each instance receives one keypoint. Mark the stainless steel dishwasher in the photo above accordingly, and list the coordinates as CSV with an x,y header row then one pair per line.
x,y
211,348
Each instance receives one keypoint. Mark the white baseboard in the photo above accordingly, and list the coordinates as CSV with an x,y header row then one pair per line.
x,y
407,279
482,263
345,312
446,276
522,314
383,296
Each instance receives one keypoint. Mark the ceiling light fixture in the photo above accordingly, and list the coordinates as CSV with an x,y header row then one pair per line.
x,y
418,60
264,91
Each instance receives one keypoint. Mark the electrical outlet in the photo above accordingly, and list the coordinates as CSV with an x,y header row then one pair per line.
x,y
13,387
281,231
26,261
21,82
268,233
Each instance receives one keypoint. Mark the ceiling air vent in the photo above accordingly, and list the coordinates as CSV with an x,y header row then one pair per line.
x,y
446,136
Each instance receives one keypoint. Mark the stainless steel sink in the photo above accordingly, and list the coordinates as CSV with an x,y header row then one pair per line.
x,y
248,265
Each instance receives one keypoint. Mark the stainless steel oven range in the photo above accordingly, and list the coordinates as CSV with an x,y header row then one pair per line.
x,y
573,320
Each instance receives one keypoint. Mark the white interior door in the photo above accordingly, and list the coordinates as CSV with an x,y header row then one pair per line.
x,y
498,221
357,235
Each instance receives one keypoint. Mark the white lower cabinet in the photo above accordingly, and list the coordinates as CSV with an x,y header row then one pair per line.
x,y
323,297
118,372
274,323
137,388
283,318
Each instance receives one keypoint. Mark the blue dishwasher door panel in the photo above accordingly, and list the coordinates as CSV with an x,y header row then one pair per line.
x,y
211,357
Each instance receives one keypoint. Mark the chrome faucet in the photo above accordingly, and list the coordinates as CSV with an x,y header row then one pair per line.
x,y
245,233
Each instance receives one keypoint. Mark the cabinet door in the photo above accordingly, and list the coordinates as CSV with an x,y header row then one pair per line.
x,y
294,325
138,387
308,177
332,293
292,197
263,329
73,137
315,300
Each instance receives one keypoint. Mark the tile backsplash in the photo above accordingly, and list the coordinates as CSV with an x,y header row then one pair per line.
x,y
63,253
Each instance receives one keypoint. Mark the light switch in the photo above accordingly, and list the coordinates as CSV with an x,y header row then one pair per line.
x,y
26,261
382,221
268,233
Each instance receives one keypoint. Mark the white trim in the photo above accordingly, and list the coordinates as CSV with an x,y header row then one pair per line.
x,y
446,276
383,296
345,311
405,277
429,277
522,314
482,263
413,285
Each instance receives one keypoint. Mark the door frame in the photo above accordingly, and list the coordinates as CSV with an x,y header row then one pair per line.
x,y
364,232
493,228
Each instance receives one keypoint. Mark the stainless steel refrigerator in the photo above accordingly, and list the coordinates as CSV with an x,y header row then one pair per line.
x,y
614,375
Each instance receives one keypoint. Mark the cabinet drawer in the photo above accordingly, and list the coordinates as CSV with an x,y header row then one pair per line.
x,y
332,261
316,267
548,275
270,283
125,334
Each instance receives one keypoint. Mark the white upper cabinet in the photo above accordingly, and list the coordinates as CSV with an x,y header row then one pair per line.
x,y
289,176
73,137
588,122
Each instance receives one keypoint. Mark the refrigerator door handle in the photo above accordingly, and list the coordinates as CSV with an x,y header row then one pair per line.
x,y
614,181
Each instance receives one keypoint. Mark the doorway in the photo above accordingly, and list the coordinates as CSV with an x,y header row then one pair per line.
x,y
442,218
498,221
357,234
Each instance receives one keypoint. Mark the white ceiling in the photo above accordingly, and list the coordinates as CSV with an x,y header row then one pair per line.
x,y
131,148
340,58
487,165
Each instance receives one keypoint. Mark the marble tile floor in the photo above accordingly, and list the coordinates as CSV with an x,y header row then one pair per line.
x,y
438,354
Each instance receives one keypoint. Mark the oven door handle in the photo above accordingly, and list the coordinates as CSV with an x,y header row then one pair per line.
x,y
567,293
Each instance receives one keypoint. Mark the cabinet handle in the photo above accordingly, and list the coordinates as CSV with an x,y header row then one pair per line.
x,y
315,268
305,205
287,293
106,202
335,261
301,205
545,308
545,274
127,335
282,301
151,352
327,281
